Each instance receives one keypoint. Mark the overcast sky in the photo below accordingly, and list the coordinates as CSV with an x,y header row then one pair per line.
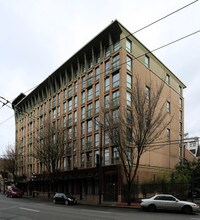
x,y
38,36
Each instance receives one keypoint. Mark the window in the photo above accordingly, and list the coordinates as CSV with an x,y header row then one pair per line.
x,y
89,126
75,101
83,128
115,116
106,138
82,160
168,79
146,61
96,140
128,98
115,62
97,89
129,116
129,81
89,111
147,92
96,106
83,97
107,51
98,57
89,143
168,106
180,127
70,91
89,94
75,132
64,163
58,111
89,164
128,45
107,67
65,94
115,155
129,134
116,79
168,134
89,82
70,119
106,156
180,103
180,115
97,73
96,124
83,113
54,113
82,143
180,90
116,46
70,104
107,101
107,84
115,98
90,62
64,122
129,63
75,116
75,161
83,82
75,87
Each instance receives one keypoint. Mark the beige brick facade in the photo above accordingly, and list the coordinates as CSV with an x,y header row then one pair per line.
x,y
104,69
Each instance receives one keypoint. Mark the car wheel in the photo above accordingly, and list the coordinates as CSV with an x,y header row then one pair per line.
x,y
151,208
11,196
54,201
187,209
66,202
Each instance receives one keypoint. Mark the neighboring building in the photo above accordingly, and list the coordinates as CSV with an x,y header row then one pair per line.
x,y
101,72
192,144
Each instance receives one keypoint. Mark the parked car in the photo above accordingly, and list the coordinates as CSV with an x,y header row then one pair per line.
x,y
14,192
63,198
168,202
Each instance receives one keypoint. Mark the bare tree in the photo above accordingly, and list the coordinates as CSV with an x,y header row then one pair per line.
x,y
133,130
49,148
11,157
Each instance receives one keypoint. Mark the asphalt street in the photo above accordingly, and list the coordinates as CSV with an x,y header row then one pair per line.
x,y
29,209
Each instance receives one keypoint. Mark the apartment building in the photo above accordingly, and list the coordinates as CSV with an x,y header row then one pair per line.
x,y
102,72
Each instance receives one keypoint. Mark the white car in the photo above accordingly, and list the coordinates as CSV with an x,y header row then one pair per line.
x,y
168,202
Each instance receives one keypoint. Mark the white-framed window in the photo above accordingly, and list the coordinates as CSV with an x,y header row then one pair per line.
x,y
128,45
180,103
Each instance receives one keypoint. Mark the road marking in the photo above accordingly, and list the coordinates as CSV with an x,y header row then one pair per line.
x,y
95,211
31,210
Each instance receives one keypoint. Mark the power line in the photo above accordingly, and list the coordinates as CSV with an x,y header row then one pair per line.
x,y
134,58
